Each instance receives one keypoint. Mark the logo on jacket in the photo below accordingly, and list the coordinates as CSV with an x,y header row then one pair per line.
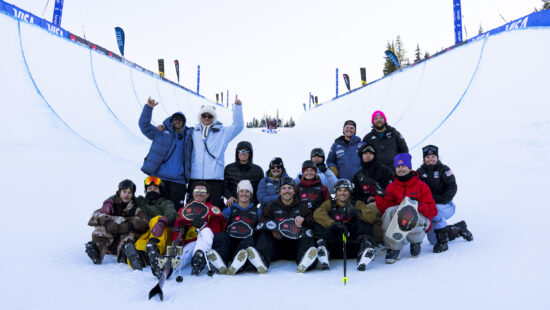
x,y
448,173
436,174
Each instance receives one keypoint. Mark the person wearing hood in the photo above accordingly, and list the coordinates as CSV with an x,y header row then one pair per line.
x,y
386,139
169,157
268,188
342,158
371,177
326,175
210,140
242,169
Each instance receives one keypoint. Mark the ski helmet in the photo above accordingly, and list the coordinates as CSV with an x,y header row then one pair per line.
x,y
343,183
309,164
317,152
124,184
286,181
366,148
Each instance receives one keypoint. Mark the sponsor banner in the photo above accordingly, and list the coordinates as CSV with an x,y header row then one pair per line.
x,y
120,39
458,20
30,18
57,12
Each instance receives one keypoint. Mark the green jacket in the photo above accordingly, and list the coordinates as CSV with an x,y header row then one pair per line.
x,y
161,206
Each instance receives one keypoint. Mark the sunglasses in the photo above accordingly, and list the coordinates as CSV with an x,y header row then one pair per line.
x,y
200,191
243,151
177,119
207,116
152,180
275,167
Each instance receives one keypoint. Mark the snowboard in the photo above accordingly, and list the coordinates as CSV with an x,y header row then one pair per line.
x,y
404,220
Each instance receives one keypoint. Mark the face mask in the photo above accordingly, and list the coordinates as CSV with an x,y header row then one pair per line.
x,y
152,196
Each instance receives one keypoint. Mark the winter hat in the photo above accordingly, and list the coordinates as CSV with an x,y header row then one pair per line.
x,y
124,184
366,148
350,122
210,109
286,181
430,150
318,152
245,184
402,159
308,164
277,161
378,113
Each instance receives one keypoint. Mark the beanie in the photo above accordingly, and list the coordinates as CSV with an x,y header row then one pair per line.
x,y
402,159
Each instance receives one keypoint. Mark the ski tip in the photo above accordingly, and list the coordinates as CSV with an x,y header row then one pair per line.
x,y
156,290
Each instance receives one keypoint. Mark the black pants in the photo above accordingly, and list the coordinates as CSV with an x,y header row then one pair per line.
x,y
216,192
272,249
175,192
358,230
227,246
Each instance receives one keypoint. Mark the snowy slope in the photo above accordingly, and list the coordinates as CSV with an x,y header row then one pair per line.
x,y
70,134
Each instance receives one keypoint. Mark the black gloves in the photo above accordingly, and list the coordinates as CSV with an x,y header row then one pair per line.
x,y
354,213
338,228
322,167
198,223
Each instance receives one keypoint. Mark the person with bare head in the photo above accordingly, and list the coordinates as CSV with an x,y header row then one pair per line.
x,y
342,158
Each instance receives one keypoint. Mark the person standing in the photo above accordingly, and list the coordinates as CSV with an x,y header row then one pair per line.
x,y
387,141
210,140
342,158
242,169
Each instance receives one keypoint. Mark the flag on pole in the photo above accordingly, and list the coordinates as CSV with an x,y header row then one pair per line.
x,y
120,40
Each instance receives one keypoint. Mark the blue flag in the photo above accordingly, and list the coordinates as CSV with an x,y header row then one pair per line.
x,y
458,21
120,39
57,12
393,58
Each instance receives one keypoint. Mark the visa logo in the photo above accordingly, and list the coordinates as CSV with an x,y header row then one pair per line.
x,y
24,16
54,29
522,23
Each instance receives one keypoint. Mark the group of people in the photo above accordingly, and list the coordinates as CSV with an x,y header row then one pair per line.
x,y
239,217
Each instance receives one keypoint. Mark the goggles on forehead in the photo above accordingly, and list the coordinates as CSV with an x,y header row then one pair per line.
x,y
152,180
369,148
200,191
429,150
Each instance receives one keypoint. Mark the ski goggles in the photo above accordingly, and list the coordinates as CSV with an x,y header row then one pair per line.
x,y
207,116
368,148
153,180
429,150
317,152
200,191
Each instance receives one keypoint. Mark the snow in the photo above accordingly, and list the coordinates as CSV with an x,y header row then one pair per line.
x,y
68,138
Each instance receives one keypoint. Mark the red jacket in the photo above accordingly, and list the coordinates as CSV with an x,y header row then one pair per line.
x,y
397,190
214,220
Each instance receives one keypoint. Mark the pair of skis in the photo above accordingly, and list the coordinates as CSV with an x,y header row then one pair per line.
x,y
171,262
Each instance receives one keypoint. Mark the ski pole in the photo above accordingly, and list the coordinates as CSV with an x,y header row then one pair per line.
x,y
344,279
210,272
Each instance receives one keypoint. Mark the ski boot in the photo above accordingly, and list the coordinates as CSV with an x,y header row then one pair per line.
x,y
134,258
198,262
93,252
441,244
322,254
238,262
366,255
392,256
153,256
415,249
460,229
307,260
256,260
216,261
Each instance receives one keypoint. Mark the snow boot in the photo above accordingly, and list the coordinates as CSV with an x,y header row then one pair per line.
x,y
380,249
322,254
415,249
216,261
366,255
307,260
256,260
460,229
198,262
153,256
238,262
134,259
392,256
441,244
93,252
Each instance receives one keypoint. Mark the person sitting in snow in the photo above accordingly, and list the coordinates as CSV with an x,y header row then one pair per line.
x,y
268,188
310,190
442,183
117,223
230,245
406,184
200,222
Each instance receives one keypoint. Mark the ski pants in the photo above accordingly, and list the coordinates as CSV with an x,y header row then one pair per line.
x,y
444,212
176,193
415,236
203,242
215,189
164,239
272,249
335,243
108,243
227,246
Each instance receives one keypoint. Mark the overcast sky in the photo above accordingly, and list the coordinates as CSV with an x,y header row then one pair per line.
x,y
273,53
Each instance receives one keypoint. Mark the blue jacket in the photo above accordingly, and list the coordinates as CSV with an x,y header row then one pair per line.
x,y
206,167
343,155
328,179
169,157
268,189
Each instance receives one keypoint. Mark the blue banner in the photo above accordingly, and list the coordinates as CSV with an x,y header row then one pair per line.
x,y
120,39
393,58
30,18
458,21
57,12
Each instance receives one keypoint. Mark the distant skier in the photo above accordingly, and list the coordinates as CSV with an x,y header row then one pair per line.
x,y
326,175
230,245
442,183
210,139
338,217
242,169
406,184
285,232
386,139
342,158
169,157
200,226
118,222
268,188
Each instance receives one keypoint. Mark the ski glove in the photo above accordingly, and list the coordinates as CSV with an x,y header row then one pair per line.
x,y
198,223
379,190
112,227
125,228
354,213
107,207
338,228
159,226
322,167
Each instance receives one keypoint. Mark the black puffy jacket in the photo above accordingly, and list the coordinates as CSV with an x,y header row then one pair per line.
x,y
363,180
388,144
235,172
441,181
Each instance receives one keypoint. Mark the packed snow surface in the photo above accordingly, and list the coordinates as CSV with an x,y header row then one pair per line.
x,y
70,134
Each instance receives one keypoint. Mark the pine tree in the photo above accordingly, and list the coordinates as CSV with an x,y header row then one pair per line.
x,y
400,52
426,55
480,31
417,53
546,5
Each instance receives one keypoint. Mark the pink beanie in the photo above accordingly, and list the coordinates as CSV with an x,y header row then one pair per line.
x,y
375,114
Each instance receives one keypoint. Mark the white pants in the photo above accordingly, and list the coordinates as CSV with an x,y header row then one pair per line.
x,y
415,236
204,243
